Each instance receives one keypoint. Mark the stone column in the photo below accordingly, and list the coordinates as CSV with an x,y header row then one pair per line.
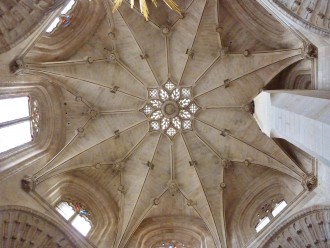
x,y
300,117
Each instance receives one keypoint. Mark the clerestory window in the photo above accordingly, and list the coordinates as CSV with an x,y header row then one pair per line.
x,y
19,121
63,19
77,215
170,244
268,212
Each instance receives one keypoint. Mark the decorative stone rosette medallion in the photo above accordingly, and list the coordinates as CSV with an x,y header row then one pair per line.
x,y
170,109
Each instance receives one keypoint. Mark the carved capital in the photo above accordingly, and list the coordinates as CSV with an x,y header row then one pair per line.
x,y
28,184
249,108
310,182
309,51
17,66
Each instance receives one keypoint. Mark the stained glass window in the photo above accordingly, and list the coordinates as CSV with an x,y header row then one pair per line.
x,y
77,215
66,210
171,244
64,18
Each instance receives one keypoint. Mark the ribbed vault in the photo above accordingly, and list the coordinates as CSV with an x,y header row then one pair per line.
x,y
104,79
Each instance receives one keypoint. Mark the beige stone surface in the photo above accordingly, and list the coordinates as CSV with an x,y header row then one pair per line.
x,y
203,187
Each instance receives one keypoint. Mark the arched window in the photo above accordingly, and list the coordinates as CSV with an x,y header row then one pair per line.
x,y
171,244
76,214
19,121
268,212
63,19
262,223
279,207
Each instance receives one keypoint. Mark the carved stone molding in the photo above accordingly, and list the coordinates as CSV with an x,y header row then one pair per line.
x,y
21,226
307,228
309,51
18,19
312,15
158,229
48,109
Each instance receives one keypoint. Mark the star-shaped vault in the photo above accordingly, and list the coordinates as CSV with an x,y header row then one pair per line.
x,y
165,75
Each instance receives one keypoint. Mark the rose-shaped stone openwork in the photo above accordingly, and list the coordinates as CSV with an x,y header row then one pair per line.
x,y
170,109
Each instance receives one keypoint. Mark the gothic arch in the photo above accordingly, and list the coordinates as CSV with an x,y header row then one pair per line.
x,y
19,19
156,229
51,111
24,226
104,211
63,42
305,229
245,213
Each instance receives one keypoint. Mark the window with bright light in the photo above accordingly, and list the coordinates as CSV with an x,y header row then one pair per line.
x,y
170,244
81,224
19,121
64,18
66,210
269,211
68,7
77,215
278,208
53,25
262,223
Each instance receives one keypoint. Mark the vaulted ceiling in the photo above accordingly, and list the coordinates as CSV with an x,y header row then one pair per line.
x,y
202,184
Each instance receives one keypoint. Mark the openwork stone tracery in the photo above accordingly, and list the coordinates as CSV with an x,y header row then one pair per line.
x,y
35,117
170,109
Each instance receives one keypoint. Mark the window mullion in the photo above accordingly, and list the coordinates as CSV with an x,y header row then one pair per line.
x,y
72,217
13,122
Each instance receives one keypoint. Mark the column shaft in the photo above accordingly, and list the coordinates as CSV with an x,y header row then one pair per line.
x,y
300,117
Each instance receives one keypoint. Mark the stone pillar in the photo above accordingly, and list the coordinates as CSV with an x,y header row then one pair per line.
x,y
323,68
300,117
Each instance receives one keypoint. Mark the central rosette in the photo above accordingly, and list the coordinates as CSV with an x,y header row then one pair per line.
x,y
170,109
